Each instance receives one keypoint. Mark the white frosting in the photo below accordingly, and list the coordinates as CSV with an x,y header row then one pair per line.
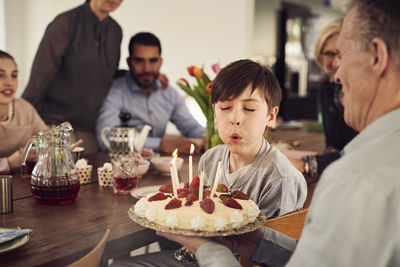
x,y
220,224
253,212
82,164
236,219
141,207
150,214
172,221
197,223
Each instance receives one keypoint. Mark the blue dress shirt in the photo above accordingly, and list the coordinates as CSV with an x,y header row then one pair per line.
x,y
155,109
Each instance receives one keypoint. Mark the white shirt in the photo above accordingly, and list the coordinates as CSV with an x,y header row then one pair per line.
x,y
354,216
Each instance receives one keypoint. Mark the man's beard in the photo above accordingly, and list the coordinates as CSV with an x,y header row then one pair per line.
x,y
145,80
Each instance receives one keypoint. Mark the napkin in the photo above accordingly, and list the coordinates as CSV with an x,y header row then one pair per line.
x,y
13,234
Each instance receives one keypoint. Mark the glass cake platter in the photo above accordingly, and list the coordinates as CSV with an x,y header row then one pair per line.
x,y
260,221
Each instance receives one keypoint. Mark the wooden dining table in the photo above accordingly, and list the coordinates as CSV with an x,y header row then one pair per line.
x,y
64,233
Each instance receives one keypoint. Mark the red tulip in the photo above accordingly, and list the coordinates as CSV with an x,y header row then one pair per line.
x,y
191,70
209,87
198,73
183,81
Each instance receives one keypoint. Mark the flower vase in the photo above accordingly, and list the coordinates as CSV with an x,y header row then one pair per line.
x,y
212,135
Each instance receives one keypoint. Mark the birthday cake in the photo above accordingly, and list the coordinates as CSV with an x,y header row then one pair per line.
x,y
223,212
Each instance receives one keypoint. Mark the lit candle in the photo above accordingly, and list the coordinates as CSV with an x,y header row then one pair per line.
x,y
191,164
217,178
176,178
173,173
171,170
174,187
201,185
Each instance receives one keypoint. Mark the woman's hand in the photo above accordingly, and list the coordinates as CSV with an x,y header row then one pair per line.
x,y
14,160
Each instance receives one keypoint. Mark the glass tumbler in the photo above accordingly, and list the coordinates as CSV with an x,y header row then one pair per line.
x,y
125,175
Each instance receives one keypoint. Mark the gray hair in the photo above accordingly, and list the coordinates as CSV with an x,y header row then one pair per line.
x,y
378,18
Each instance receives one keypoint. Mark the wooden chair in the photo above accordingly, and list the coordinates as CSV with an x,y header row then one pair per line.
x,y
93,258
290,224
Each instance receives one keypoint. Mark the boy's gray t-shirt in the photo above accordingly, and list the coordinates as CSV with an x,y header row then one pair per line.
x,y
271,181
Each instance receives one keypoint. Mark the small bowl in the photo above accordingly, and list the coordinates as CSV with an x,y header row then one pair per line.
x,y
143,168
162,164
77,153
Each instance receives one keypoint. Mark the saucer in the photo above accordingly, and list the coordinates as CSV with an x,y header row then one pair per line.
x,y
144,191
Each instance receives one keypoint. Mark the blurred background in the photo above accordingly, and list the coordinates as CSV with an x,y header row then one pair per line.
x,y
280,34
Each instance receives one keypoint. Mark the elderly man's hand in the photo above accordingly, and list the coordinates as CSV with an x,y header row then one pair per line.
x,y
192,243
246,244
170,142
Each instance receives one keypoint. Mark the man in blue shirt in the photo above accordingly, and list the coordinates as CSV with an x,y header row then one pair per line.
x,y
139,94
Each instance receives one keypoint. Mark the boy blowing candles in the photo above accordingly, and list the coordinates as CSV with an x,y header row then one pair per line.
x,y
245,98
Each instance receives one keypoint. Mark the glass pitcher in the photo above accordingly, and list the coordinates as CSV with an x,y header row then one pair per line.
x,y
54,178
31,153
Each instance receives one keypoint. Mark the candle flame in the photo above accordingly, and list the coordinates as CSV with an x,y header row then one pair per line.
x,y
191,149
174,156
173,160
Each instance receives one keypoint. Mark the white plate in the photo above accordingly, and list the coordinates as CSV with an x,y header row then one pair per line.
x,y
12,244
144,191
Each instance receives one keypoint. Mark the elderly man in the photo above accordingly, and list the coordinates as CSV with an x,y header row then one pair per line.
x,y
140,95
354,217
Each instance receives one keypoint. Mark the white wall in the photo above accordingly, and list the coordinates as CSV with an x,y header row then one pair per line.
x,y
2,26
191,31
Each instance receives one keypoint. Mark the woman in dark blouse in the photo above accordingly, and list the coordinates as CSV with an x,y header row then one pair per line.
x,y
74,67
337,133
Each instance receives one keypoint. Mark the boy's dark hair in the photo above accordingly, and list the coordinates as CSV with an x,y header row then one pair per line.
x,y
144,38
232,80
6,55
